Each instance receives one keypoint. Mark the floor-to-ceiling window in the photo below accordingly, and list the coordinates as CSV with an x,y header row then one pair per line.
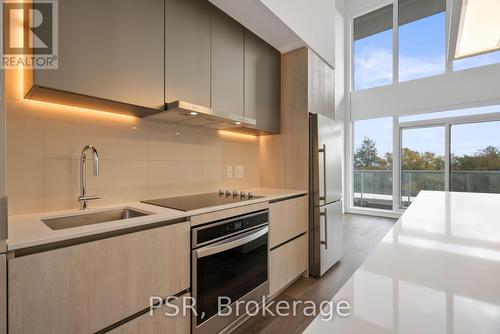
x,y
475,157
422,38
456,150
405,40
372,175
373,49
394,158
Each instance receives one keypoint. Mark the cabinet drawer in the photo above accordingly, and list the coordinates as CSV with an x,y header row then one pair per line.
x,y
287,219
287,262
159,323
87,287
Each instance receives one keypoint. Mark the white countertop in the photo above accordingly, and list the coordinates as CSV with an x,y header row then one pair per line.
x,y
28,230
436,271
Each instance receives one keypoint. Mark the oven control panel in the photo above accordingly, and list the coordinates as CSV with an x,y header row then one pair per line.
x,y
217,230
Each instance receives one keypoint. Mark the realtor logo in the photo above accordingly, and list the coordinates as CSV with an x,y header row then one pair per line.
x,y
30,34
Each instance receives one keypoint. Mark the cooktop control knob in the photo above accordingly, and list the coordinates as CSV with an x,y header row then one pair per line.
x,y
251,194
244,194
236,193
222,191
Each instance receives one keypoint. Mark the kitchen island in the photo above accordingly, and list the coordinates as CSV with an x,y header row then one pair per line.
x,y
436,271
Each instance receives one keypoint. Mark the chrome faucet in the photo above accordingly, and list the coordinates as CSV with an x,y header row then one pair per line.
x,y
84,198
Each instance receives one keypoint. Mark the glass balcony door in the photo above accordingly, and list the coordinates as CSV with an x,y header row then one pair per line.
x,y
422,161
475,157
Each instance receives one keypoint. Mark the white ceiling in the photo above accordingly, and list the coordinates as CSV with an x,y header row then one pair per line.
x,y
256,17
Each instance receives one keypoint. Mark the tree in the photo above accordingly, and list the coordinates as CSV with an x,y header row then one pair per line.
x,y
414,160
366,156
485,159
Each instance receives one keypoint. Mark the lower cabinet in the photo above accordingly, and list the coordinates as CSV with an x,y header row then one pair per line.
x,y
287,262
287,219
87,287
159,322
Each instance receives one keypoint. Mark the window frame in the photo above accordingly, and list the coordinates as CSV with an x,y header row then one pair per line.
x,y
395,41
367,10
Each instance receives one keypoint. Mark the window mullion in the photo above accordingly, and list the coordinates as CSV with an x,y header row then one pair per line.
x,y
448,56
396,166
395,42
447,162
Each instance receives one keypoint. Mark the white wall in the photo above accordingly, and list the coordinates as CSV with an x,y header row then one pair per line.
x,y
256,17
454,90
341,96
312,21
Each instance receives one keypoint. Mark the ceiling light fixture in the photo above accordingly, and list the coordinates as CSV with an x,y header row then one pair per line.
x,y
237,123
193,113
475,28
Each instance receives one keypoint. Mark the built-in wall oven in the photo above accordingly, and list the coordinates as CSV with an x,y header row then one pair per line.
x,y
230,262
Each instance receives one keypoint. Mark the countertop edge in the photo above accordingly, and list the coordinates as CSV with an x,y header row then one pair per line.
x,y
159,215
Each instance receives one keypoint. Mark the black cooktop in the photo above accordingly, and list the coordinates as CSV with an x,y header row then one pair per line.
x,y
193,202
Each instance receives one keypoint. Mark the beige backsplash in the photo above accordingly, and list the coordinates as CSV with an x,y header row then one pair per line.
x,y
139,159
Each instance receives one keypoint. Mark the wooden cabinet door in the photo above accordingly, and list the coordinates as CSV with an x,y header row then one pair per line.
x,y
87,287
227,64
187,45
112,50
321,87
262,83
287,219
286,263
159,322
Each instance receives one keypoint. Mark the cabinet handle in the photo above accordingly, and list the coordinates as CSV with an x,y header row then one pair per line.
x,y
323,151
325,214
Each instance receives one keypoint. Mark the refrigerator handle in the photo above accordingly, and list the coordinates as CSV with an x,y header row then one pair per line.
x,y
323,150
325,214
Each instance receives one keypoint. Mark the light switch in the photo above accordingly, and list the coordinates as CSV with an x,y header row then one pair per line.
x,y
240,171
229,171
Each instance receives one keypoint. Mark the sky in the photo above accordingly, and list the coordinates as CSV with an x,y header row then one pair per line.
x,y
421,54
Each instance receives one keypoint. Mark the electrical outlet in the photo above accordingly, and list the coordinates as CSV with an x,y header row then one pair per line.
x,y
229,171
240,171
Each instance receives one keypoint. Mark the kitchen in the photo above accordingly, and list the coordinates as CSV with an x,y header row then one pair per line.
x,y
187,150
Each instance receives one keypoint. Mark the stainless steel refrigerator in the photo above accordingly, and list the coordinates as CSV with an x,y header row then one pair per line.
x,y
325,201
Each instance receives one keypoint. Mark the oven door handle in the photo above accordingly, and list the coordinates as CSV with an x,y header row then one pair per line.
x,y
231,243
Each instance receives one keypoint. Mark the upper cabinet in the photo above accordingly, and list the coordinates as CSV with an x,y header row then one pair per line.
x,y
321,86
187,44
111,50
227,59
262,83
133,57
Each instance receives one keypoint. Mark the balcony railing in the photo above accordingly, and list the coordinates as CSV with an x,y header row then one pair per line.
x,y
373,188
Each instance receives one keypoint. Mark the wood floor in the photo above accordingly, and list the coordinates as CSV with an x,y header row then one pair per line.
x,y
361,235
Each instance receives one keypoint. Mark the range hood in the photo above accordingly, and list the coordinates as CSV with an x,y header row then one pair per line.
x,y
185,113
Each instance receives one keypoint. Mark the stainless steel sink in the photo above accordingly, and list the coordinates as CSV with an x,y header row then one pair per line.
x,y
84,219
